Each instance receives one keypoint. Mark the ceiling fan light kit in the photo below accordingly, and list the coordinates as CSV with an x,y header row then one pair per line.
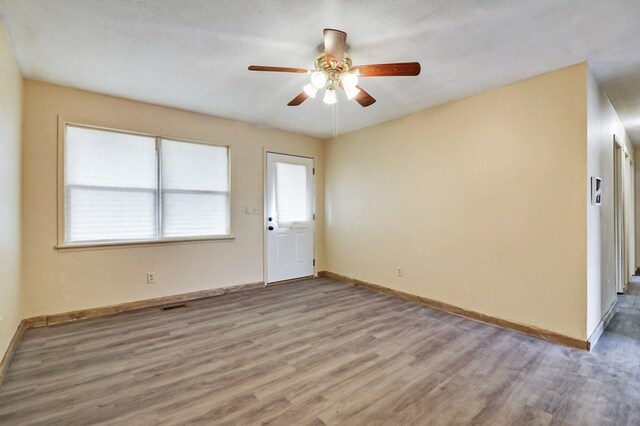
x,y
333,68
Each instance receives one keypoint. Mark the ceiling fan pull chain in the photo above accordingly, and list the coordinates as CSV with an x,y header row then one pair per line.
x,y
335,120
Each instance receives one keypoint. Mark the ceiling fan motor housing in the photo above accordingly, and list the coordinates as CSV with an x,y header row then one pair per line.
x,y
333,68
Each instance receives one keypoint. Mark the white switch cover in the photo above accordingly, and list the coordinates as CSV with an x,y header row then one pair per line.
x,y
247,209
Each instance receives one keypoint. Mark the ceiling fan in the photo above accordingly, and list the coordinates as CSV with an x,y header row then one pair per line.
x,y
333,69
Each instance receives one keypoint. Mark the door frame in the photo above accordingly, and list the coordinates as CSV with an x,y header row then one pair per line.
x,y
623,215
265,216
617,215
629,201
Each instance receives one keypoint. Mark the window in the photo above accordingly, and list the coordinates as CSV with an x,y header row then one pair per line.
x,y
291,195
195,189
121,187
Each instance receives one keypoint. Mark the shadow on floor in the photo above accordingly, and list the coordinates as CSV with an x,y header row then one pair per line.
x,y
620,342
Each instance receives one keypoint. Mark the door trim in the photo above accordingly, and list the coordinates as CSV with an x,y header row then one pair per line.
x,y
618,235
623,214
265,153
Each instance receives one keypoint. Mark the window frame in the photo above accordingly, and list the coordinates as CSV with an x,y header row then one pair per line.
x,y
62,244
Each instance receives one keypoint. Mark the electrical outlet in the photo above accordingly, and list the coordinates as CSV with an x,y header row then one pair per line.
x,y
151,277
256,210
399,271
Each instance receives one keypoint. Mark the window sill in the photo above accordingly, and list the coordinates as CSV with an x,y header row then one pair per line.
x,y
129,244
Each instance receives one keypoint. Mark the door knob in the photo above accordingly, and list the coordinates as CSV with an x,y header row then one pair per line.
x,y
270,228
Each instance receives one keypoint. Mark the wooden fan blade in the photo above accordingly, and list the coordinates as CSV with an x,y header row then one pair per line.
x,y
276,69
335,42
388,70
363,98
298,99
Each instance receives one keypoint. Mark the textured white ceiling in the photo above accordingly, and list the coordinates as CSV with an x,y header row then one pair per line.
x,y
194,54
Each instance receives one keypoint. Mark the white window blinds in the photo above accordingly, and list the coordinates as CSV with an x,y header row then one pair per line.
x,y
195,189
113,191
110,186
292,207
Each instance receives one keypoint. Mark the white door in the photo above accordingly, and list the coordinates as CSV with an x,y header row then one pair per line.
x,y
290,222
618,215
628,220
624,200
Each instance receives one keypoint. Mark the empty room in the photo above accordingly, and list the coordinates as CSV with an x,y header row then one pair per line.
x,y
336,212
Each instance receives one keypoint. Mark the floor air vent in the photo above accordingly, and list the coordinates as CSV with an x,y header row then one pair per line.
x,y
168,308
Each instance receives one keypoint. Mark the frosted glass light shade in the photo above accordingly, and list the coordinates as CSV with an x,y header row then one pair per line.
x,y
318,79
351,91
349,80
310,90
330,96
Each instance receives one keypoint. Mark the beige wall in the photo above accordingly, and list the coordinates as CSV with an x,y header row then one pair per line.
x,y
603,123
56,281
10,153
480,201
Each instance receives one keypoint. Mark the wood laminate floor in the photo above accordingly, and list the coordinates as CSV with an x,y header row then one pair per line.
x,y
620,343
310,353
